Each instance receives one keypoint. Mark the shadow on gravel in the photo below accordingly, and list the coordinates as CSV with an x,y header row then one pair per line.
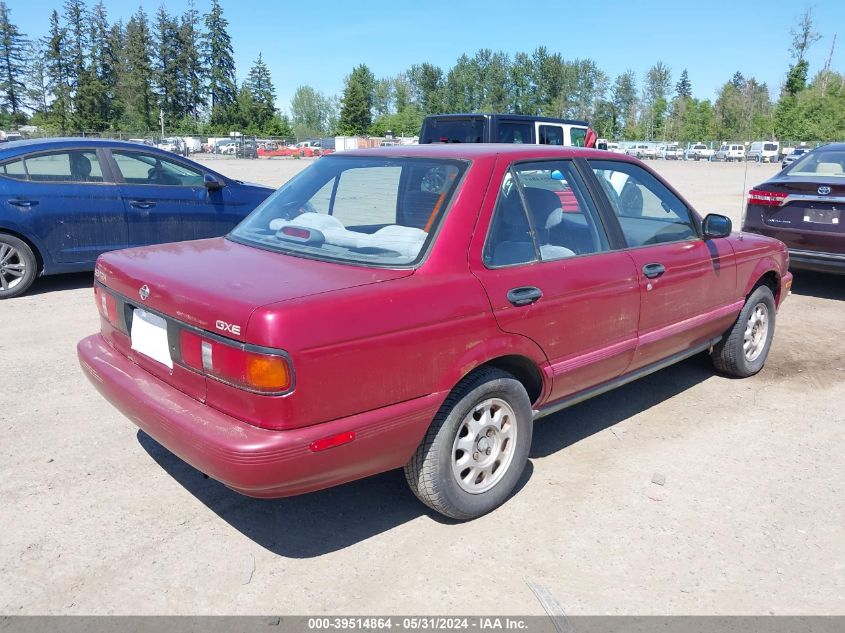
x,y
329,520
819,285
557,431
308,525
52,283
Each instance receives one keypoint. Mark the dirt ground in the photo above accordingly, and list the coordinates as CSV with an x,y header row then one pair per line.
x,y
96,518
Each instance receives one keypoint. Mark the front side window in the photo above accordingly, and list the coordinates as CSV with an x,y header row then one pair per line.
x,y
70,166
648,212
138,168
551,135
578,135
542,213
374,211
512,132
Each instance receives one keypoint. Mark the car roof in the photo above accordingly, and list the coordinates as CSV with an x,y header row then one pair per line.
x,y
36,144
470,151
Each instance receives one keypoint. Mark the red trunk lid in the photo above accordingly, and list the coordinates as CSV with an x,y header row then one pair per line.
x,y
215,283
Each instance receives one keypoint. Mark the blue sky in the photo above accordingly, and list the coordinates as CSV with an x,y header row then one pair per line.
x,y
318,43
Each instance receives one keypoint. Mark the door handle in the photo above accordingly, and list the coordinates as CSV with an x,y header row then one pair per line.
x,y
524,295
653,270
142,204
26,204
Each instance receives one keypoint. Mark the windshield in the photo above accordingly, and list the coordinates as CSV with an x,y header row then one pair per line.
x,y
821,162
369,210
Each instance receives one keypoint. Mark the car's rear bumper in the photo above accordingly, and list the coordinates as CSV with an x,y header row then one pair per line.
x,y
254,461
817,261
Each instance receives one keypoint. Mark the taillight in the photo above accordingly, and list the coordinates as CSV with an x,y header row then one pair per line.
x,y
766,198
106,304
236,364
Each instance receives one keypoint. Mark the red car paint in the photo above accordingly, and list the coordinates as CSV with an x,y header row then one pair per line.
x,y
375,351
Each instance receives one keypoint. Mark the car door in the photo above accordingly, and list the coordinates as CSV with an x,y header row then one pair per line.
x,y
166,199
71,204
687,284
551,274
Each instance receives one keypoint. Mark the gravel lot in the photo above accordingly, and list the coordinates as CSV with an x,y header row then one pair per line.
x,y
98,519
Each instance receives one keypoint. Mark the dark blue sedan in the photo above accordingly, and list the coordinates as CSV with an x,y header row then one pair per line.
x,y
65,201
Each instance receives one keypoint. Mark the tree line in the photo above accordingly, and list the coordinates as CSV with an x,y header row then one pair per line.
x,y
89,74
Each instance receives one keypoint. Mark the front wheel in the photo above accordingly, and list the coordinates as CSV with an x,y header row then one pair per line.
x,y
18,267
476,448
744,349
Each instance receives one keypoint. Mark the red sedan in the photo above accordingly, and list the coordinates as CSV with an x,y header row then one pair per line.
x,y
420,307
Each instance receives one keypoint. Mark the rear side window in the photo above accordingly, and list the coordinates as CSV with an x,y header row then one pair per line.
x,y
13,169
70,166
454,131
648,212
542,213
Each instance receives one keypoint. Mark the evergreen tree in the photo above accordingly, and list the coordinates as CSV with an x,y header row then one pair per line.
x,y
136,75
191,70
219,60
76,18
37,87
624,101
57,74
683,88
260,85
357,102
166,66
12,64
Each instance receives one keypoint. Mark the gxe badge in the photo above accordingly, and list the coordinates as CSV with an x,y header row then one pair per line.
x,y
824,190
144,292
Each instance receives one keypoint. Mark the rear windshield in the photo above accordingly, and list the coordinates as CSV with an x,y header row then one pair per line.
x,y
820,163
368,210
453,130
770,147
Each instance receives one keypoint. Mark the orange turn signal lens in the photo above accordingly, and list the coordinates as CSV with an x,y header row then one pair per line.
x,y
268,373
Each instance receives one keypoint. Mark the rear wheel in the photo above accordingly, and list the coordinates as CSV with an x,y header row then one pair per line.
x,y
476,448
18,266
744,349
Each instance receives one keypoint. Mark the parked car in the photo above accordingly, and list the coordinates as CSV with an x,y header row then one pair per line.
x,y
65,201
698,151
640,150
794,155
763,151
804,207
670,151
427,324
730,153
172,144
505,128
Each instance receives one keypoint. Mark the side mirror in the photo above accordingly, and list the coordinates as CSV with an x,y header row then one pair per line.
x,y
212,183
716,225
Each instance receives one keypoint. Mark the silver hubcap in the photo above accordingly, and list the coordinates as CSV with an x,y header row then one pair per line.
x,y
12,267
756,332
484,446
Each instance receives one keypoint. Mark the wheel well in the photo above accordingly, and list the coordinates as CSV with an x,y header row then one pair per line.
x,y
524,370
38,259
772,280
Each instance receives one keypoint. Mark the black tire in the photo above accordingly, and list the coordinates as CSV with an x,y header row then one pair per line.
x,y
16,257
729,356
430,471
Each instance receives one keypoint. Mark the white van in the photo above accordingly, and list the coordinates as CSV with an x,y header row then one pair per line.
x,y
764,151
728,153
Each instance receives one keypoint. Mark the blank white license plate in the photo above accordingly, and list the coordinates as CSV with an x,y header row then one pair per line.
x,y
149,336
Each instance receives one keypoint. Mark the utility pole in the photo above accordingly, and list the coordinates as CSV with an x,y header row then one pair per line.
x,y
161,120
